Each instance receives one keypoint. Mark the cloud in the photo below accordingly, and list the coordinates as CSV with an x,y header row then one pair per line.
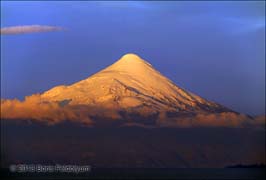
x,y
224,119
259,121
36,108
29,29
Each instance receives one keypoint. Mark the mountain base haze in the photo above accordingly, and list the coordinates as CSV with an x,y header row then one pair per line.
x,y
131,147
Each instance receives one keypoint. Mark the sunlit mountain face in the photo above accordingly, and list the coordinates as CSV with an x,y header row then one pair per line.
x,y
128,92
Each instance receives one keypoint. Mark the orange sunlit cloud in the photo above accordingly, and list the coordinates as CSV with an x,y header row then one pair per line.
x,y
35,108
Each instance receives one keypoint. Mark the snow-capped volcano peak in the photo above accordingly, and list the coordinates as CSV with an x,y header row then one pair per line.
x,y
130,57
130,63
131,84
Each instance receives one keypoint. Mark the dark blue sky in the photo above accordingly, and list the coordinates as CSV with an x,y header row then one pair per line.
x,y
213,49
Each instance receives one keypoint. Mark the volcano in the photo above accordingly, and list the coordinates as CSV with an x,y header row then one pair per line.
x,y
129,92
133,89
131,83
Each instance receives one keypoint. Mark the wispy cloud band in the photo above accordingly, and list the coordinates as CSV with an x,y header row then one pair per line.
x,y
29,29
